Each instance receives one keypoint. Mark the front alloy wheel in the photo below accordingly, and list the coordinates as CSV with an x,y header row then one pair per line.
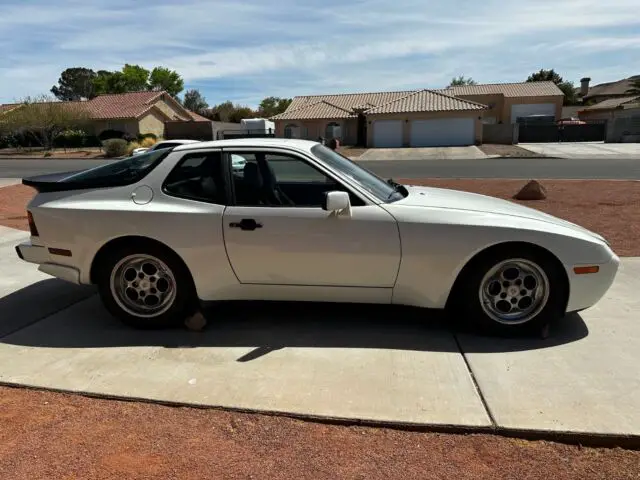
x,y
514,291
510,290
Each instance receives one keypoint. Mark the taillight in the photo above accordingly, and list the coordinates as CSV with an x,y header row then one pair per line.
x,y
32,225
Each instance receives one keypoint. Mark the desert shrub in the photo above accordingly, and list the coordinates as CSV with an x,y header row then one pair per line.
x,y
142,136
70,139
114,147
148,142
131,146
109,134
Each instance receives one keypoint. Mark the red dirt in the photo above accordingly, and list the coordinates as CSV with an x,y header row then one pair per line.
x,y
45,435
608,207
13,204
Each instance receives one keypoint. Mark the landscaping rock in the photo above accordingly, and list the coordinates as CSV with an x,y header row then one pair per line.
x,y
196,322
531,191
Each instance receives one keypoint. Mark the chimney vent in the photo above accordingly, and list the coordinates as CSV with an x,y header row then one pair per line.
x,y
584,86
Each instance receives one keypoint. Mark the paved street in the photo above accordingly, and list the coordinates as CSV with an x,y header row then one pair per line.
x,y
352,362
586,168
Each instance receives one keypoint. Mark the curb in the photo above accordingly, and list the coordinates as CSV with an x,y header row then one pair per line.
x,y
594,440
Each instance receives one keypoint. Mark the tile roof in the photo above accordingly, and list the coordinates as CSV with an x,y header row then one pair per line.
x,y
612,103
7,106
522,89
348,101
123,105
317,110
196,117
305,107
426,101
619,88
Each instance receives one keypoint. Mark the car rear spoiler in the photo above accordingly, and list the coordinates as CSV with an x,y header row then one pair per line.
x,y
52,183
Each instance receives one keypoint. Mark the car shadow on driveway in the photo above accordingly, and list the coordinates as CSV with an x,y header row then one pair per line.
x,y
265,326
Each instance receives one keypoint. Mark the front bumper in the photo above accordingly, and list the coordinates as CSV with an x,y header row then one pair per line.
x,y
587,290
41,256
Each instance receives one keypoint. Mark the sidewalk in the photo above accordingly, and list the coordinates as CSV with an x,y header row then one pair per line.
x,y
585,150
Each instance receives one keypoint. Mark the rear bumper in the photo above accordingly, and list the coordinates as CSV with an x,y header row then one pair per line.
x,y
41,256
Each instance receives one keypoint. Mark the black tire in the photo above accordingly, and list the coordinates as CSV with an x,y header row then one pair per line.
x,y
183,299
467,305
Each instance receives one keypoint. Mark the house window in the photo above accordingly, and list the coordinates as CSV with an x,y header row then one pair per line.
x,y
291,131
332,130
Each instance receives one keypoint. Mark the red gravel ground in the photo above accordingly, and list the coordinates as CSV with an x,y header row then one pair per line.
x,y
13,204
608,207
46,435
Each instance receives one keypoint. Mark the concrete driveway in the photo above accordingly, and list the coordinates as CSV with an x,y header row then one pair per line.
x,y
430,153
382,364
585,150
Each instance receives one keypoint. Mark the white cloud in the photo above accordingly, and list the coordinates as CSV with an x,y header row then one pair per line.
x,y
317,46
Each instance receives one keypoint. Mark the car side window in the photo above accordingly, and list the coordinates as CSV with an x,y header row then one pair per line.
x,y
280,180
198,176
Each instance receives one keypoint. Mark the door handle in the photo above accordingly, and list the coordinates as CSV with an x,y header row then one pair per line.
x,y
246,224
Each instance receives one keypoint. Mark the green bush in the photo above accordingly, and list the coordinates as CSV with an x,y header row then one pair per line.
x,y
115,147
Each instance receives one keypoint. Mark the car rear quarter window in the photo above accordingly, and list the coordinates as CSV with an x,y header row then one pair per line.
x,y
198,176
122,172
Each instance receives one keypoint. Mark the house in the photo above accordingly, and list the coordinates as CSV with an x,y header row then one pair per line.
x,y
132,113
417,118
136,112
605,91
612,108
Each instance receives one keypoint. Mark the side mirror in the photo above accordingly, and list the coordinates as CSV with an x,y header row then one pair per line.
x,y
337,201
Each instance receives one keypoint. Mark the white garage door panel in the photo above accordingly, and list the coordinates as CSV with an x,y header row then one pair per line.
x,y
446,132
526,109
387,133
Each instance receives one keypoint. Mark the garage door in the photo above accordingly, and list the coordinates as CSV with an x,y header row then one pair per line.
x,y
387,133
446,132
524,110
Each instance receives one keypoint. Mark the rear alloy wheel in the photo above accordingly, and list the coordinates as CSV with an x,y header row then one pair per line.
x,y
146,287
512,291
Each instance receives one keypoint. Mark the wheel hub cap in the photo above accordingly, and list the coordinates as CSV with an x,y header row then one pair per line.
x,y
514,291
143,285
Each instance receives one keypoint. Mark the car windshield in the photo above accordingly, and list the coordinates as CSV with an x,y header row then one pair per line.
x,y
121,172
386,191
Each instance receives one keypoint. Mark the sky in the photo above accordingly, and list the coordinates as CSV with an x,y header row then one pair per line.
x,y
245,50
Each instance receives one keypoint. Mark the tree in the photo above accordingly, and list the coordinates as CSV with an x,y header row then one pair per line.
x,y
162,78
461,81
194,101
271,106
136,78
132,78
228,112
75,84
570,94
44,119
635,86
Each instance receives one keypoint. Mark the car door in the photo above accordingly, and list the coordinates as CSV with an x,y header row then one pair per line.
x,y
299,243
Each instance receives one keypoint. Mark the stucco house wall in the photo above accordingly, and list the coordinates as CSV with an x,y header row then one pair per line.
x,y
407,117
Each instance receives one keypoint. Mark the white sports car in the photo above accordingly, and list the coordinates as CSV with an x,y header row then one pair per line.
x,y
163,231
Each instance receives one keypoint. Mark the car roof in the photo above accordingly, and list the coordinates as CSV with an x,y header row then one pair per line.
x,y
252,142
184,142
